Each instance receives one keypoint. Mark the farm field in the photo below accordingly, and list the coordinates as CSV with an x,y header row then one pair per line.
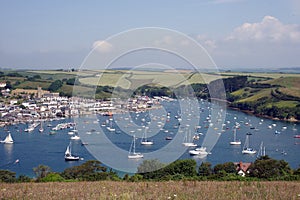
x,y
152,190
124,78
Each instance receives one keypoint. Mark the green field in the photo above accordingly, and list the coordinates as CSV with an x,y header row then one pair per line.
x,y
290,85
124,78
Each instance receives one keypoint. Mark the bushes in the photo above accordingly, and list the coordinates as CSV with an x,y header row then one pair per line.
x,y
55,85
7,176
264,168
52,177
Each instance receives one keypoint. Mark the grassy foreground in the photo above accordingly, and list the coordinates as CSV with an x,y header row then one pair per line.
x,y
152,190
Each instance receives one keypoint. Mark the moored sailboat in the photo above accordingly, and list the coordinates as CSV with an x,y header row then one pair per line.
x,y
144,140
132,154
8,139
247,149
235,141
69,156
187,141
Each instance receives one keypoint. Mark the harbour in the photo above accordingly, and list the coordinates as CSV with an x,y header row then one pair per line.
x,y
31,149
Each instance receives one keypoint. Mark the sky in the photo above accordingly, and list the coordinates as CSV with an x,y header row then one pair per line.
x,y
54,34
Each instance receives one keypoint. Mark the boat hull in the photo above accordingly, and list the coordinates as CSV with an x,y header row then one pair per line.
x,y
249,151
135,156
236,143
147,143
72,158
187,144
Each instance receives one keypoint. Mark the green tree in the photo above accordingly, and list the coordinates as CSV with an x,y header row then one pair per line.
x,y
52,177
150,165
205,169
91,170
41,171
268,168
54,86
7,176
70,81
227,167
8,85
178,168
23,179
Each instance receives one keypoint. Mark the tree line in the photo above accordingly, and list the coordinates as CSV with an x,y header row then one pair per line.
x,y
264,168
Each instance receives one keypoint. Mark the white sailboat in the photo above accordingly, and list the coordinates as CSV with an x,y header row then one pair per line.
x,y
8,139
132,154
69,156
144,140
235,141
187,141
247,149
110,128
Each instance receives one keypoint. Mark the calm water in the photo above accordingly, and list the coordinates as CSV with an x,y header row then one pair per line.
x,y
37,148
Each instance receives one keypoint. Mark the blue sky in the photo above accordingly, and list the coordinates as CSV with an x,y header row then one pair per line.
x,y
236,33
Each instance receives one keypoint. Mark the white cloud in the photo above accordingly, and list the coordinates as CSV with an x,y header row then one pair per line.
x,y
268,43
269,29
208,43
103,46
165,41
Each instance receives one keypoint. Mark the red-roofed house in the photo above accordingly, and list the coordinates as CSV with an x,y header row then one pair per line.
x,y
242,168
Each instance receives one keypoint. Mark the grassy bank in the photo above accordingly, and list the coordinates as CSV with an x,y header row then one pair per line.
x,y
151,190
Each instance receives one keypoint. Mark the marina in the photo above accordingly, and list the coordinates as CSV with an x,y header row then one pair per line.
x,y
34,148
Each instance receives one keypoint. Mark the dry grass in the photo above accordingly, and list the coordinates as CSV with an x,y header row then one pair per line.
x,y
152,190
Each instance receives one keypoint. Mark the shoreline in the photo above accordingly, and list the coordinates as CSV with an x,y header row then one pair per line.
x,y
264,116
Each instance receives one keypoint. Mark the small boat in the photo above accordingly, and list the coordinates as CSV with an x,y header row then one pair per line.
x,y
30,128
69,156
247,149
71,132
296,136
196,137
199,151
8,139
52,132
75,137
144,140
41,129
110,128
132,154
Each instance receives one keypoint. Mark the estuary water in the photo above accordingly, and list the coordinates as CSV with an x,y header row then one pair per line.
x,y
35,148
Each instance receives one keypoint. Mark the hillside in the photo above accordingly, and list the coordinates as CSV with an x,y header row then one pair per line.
x,y
277,98
275,95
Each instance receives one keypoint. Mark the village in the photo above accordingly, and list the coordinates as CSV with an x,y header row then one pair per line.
x,y
28,105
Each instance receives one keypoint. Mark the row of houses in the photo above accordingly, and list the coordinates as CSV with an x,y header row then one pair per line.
x,y
30,105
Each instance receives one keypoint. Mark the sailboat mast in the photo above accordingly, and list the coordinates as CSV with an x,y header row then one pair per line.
x,y
134,144
234,134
